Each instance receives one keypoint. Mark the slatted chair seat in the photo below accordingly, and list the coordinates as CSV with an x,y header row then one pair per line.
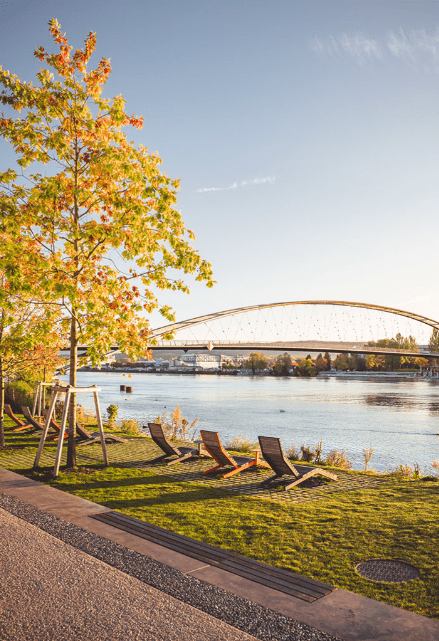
x,y
273,453
214,447
37,426
19,424
81,432
159,438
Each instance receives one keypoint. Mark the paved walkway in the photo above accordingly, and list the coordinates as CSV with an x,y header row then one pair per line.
x,y
101,585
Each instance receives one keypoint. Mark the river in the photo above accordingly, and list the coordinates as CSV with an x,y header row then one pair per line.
x,y
398,418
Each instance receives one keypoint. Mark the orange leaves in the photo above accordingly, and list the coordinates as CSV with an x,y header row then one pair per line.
x,y
107,205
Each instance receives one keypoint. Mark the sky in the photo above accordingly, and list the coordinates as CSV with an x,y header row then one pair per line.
x,y
304,134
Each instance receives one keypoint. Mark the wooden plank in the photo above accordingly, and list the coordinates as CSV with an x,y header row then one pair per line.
x,y
271,576
255,573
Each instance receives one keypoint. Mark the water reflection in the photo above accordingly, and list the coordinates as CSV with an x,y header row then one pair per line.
x,y
410,403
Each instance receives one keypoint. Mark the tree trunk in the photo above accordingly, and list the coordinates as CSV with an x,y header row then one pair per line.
x,y
2,405
71,446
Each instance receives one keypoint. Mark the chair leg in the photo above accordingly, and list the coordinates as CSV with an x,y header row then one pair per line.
x,y
213,469
239,469
301,479
270,478
180,459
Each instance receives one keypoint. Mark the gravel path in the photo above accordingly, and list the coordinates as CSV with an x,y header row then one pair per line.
x,y
60,581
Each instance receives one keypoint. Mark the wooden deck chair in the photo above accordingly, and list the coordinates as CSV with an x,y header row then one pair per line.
x,y
214,447
80,431
19,424
273,453
87,438
37,426
159,438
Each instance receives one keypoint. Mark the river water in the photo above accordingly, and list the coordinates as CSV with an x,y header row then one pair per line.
x,y
399,418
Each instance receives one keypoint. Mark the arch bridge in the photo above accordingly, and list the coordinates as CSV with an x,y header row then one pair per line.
x,y
311,326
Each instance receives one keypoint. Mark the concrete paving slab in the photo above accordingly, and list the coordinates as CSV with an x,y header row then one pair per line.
x,y
344,614
44,497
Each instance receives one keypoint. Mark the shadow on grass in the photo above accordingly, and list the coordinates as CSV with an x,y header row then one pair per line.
x,y
167,497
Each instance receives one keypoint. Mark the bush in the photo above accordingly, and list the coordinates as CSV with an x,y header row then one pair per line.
x,y
240,443
338,459
177,427
435,466
292,453
307,454
407,471
128,426
18,393
112,411
86,417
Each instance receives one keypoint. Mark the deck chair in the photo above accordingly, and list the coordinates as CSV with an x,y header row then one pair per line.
x,y
87,438
273,453
19,424
80,431
37,426
216,450
159,438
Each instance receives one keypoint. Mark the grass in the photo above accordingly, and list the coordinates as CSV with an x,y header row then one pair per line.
x,y
321,539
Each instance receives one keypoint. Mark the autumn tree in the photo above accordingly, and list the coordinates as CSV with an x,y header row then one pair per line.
x,y
28,341
256,361
321,363
283,364
100,234
434,341
328,361
306,368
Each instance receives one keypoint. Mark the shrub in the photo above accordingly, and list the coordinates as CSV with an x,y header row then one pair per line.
x,y
435,466
18,393
407,471
112,411
292,453
338,459
129,426
177,427
307,454
86,417
240,443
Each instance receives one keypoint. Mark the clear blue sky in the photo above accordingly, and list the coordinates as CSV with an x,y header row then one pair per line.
x,y
304,133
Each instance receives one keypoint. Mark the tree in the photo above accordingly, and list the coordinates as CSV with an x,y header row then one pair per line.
x,y
305,367
28,343
434,341
341,363
328,361
101,232
256,361
283,365
321,363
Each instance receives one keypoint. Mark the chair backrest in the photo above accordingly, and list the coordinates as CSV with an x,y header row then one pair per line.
x,y
214,446
27,414
273,453
159,438
80,431
10,413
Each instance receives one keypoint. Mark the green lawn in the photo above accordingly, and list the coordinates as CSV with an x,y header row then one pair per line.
x,y
322,539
